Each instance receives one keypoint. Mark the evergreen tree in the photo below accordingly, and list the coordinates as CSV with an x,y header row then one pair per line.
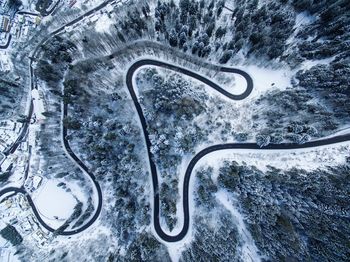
x,y
173,37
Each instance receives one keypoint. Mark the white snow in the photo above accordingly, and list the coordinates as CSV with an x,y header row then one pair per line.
x,y
265,79
38,105
53,203
240,85
103,24
27,5
83,4
308,159
306,65
249,251
303,18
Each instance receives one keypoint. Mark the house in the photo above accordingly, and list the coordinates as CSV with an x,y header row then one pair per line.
x,y
36,182
5,23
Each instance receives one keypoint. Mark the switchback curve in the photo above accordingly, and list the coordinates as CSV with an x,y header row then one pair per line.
x,y
238,146
156,212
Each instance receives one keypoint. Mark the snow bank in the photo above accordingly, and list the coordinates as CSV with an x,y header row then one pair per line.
x,y
308,159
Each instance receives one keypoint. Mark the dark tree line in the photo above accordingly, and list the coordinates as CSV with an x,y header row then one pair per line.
x,y
293,215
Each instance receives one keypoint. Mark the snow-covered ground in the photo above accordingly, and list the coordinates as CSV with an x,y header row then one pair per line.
x,y
301,20
53,203
308,159
306,65
27,5
84,4
38,102
248,250
265,79
104,23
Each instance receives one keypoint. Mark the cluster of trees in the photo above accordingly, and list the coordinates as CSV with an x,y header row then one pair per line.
x,y
203,27
183,22
144,248
172,95
71,123
280,109
331,83
11,234
14,4
328,35
319,104
212,29
215,233
4,176
169,196
56,57
135,22
8,95
295,214
42,5
198,26
58,50
108,144
170,104
295,132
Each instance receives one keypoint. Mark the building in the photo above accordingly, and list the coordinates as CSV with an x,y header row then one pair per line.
x,y
36,182
5,23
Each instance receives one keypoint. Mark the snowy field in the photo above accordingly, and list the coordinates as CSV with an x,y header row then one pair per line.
x,y
54,204
266,79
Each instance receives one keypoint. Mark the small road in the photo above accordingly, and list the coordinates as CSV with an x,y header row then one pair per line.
x,y
5,46
156,198
66,145
129,82
236,146
33,57
28,13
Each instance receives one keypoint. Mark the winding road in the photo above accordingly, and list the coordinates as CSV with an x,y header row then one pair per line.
x,y
156,198
237,146
66,145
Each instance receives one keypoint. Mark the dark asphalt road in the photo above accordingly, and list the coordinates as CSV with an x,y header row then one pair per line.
x,y
197,157
206,151
24,130
7,43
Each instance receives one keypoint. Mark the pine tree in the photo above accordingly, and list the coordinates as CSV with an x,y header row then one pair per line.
x,y
173,38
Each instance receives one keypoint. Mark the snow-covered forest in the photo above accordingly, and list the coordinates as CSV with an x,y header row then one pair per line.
x,y
297,53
